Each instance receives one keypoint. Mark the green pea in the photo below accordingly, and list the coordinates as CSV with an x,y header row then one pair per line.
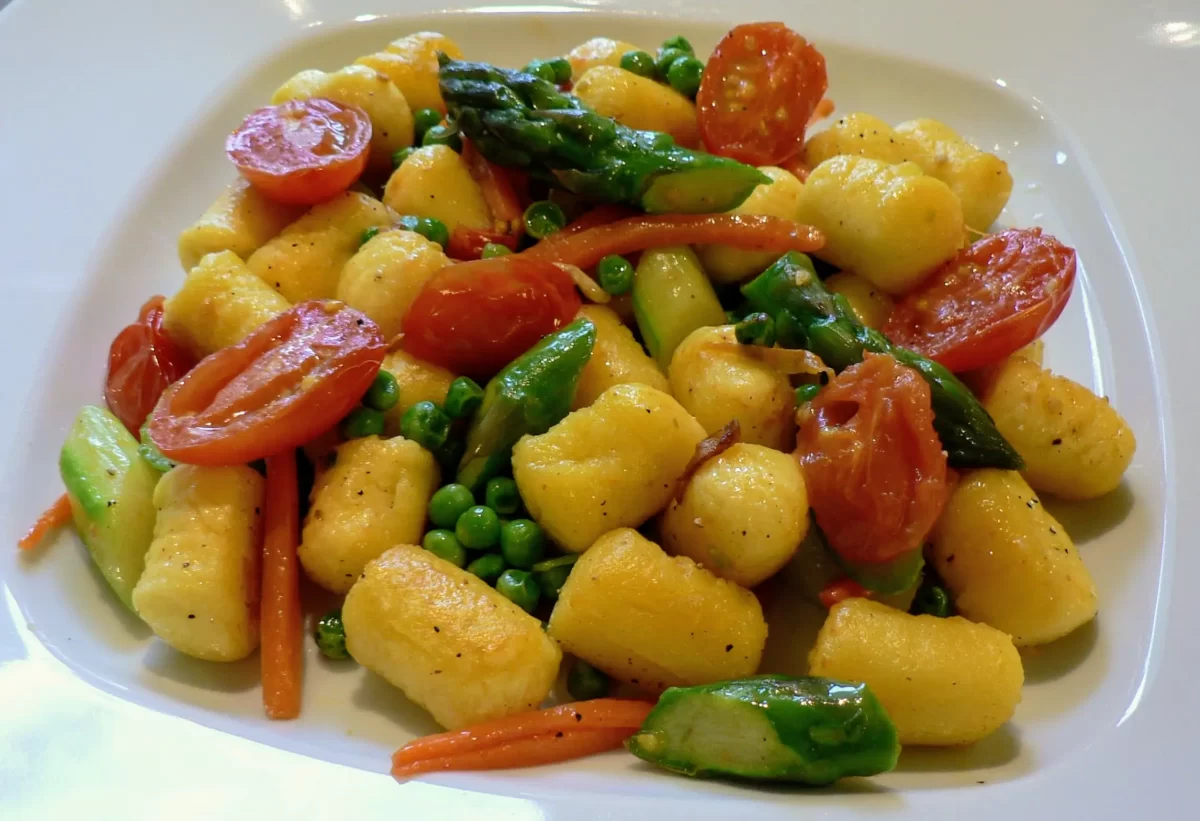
x,y
501,495
615,274
522,543
432,228
331,636
494,249
400,156
362,422
680,42
586,682
806,393
544,218
932,599
425,119
478,528
519,587
664,59
450,455
487,567
541,69
444,545
426,424
368,235
448,503
684,75
384,392
443,135
463,397
552,574
756,329
640,63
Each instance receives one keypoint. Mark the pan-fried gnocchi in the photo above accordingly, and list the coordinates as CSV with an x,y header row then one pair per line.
x,y
473,450
199,592
372,498
638,102
1074,443
778,198
305,261
371,91
434,181
240,220
411,64
219,304
385,275
890,224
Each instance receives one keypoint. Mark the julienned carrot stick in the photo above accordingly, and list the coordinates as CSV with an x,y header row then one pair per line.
x,y
596,714
282,622
824,109
600,215
55,516
547,748
749,232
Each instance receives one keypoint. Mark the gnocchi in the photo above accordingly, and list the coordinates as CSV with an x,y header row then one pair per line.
x,y
434,181
240,220
617,359
385,275
778,198
638,102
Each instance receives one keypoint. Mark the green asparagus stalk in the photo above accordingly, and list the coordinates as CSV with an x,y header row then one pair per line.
x,y
518,119
809,316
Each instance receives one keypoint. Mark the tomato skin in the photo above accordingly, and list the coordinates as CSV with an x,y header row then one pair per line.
x,y
467,243
301,152
760,87
990,300
475,317
142,362
284,385
875,469
841,589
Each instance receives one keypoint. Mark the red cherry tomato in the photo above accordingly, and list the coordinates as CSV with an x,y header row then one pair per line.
x,y
303,151
990,300
285,384
841,589
142,362
874,466
760,87
475,317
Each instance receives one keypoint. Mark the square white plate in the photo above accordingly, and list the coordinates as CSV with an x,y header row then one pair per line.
x,y
110,142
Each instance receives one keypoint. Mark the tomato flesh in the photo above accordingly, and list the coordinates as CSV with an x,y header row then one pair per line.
x,y
142,362
760,87
990,300
474,318
301,152
285,384
874,466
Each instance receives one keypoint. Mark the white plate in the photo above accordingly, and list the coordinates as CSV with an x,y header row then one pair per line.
x,y
111,118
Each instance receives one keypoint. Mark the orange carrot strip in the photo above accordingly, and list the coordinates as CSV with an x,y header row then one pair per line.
x,y
596,714
497,185
600,215
752,233
282,622
824,109
55,516
547,748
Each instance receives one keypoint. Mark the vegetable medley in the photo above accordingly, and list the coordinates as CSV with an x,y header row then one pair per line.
x,y
571,359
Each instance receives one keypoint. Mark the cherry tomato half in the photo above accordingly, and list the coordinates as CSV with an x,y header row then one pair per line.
x,y
303,151
285,384
142,362
874,467
760,87
475,317
988,301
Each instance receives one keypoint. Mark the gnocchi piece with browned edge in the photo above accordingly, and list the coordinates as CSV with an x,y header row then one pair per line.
x,y
942,681
240,220
449,641
1008,562
655,621
200,589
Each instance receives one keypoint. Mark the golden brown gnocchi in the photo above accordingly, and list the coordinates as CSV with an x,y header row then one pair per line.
x,y
411,64
371,498
655,621
240,220
1008,562
579,481
617,359
385,275
434,181
418,381
871,305
638,102
942,681
862,135
599,51
742,514
449,641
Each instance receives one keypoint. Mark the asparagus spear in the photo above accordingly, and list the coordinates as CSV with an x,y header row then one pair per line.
x,y
770,728
808,316
517,119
